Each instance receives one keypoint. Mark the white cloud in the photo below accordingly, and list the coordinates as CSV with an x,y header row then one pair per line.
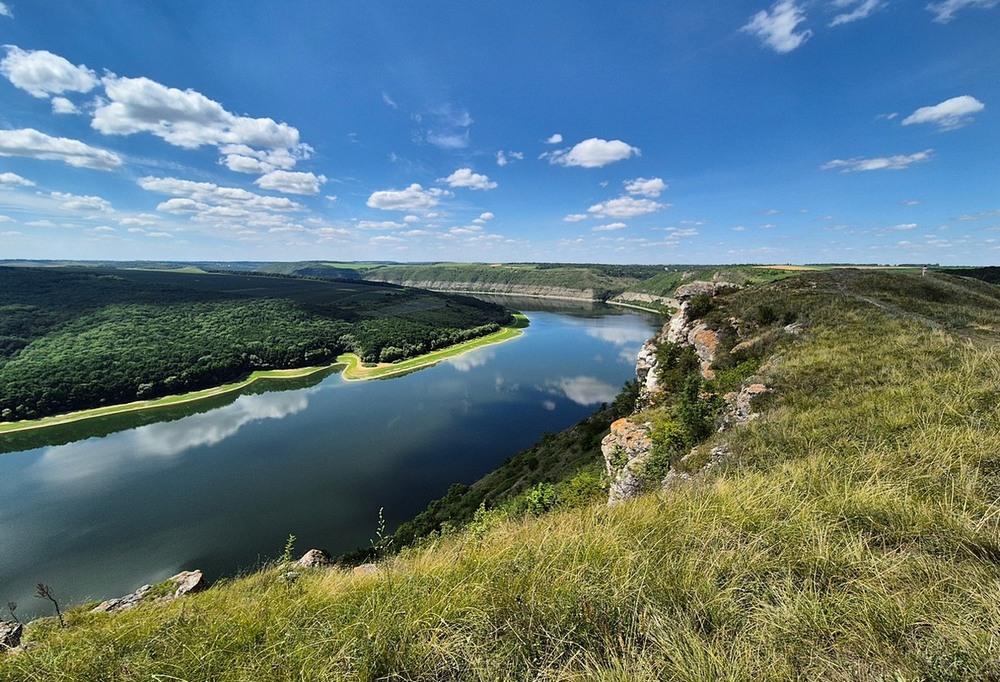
x,y
41,73
61,105
105,229
949,114
5,11
188,119
6,219
582,390
861,9
625,207
410,219
509,157
14,180
290,182
651,188
945,10
212,201
897,162
380,225
413,198
464,177
575,217
389,101
449,128
33,144
592,153
486,215
776,28
554,139
610,227
77,202
243,159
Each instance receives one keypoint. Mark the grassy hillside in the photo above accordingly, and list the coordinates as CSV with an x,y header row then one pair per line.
x,y
854,535
599,281
78,338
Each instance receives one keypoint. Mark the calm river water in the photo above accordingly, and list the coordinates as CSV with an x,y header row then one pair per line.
x,y
95,510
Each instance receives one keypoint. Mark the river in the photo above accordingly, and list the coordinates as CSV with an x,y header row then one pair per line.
x,y
96,509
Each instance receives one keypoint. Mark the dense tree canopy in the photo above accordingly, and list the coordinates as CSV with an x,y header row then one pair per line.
x,y
77,338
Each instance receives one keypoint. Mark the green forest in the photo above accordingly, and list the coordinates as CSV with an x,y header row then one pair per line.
x,y
76,338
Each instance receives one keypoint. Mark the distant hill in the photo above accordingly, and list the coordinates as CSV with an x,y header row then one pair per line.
x,y
80,337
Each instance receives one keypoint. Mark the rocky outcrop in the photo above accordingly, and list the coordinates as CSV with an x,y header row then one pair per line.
x,y
626,449
686,292
314,558
738,403
173,587
10,635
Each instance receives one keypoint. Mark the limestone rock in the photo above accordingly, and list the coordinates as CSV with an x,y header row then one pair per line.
x,y
188,582
365,569
645,367
314,558
740,410
123,603
10,635
184,582
626,449
705,341
686,292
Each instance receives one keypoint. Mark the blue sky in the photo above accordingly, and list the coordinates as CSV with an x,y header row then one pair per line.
x,y
647,132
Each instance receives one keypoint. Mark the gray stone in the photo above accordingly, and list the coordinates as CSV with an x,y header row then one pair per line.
x,y
314,558
365,569
10,635
626,449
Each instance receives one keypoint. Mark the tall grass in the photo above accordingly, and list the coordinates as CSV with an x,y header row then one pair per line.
x,y
854,535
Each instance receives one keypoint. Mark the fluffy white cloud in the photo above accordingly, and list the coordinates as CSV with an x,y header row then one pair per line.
x,y
464,177
243,159
14,180
949,114
610,227
188,119
554,139
776,28
575,217
290,182
61,105
860,9
41,73
593,153
944,11
211,199
380,225
413,198
896,162
625,207
5,11
34,144
486,215
651,187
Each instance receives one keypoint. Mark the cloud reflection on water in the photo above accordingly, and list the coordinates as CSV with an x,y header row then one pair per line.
x,y
131,450
582,390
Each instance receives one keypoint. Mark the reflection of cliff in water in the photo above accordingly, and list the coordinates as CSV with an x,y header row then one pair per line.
x,y
576,308
98,427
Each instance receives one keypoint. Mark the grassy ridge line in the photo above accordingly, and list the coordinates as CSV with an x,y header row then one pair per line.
x,y
353,371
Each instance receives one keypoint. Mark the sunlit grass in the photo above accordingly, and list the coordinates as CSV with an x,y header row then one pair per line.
x,y
854,535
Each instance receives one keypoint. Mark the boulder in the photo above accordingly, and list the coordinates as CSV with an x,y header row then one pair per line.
x,y
188,582
626,449
10,635
314,558
365,569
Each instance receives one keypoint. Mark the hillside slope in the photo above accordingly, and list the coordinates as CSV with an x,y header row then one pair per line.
x,y
853,534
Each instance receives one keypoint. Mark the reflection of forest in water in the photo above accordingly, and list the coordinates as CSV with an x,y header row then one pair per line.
x,y
98,427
